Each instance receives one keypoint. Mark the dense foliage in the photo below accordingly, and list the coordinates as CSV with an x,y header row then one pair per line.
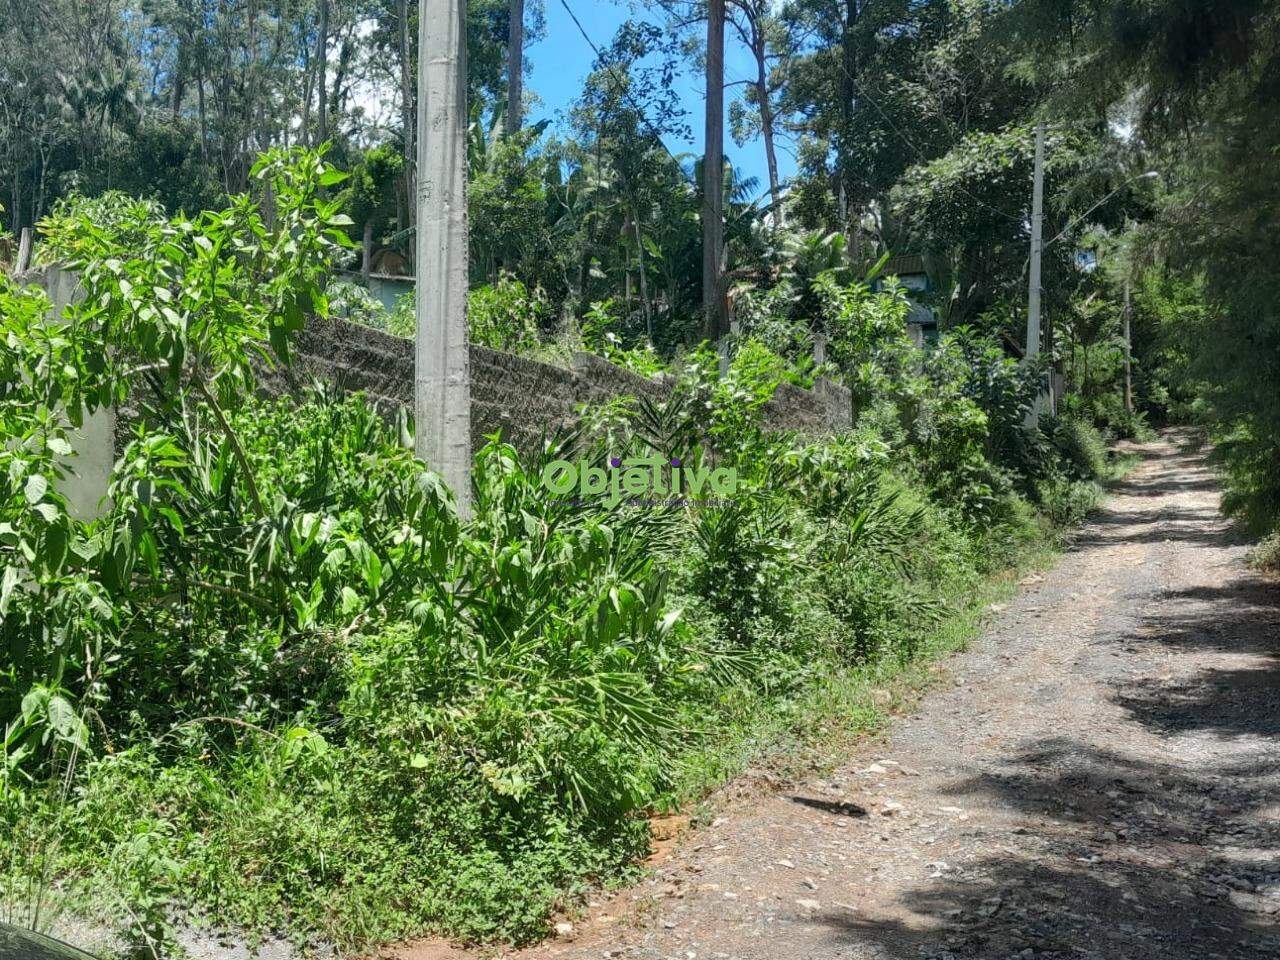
x,y
276,681
911,124
273,680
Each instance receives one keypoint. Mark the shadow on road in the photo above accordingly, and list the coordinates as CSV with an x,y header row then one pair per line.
x,y
1109,526
1125,858
1130,860
1241,698
839,808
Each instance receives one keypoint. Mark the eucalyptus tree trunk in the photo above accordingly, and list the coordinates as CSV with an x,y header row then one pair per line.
x,y
204,117
766,125
1128,349
338,92
179,77
515,68
626,275
713,176
306,95
642,270
322,69
442,383
849,208
406,117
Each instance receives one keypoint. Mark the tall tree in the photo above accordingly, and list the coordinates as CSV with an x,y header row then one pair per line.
x,y
625,184
768,40
515,67
407,108
713,177
322,67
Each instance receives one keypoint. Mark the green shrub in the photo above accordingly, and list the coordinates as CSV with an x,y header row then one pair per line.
x,y
977,367
758,370
354,303
1066,501
869,343
403,318
1266,555
769,317
952,436
1108,412
281,684
1082,447
879,613
600,336
190,558
505,315
739,565
127,220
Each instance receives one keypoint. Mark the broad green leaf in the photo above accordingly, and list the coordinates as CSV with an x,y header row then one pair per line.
x,y
37,486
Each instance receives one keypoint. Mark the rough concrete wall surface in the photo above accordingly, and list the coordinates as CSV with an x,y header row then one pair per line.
x,y
827,408
352,357
520,398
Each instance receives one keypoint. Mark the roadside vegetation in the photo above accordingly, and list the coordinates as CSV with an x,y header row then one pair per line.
x,y
279,684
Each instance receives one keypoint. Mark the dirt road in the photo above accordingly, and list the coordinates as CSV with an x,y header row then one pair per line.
x,y
1101,781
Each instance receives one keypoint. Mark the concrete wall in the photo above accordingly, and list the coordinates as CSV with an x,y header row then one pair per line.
x,y
520,398
388,290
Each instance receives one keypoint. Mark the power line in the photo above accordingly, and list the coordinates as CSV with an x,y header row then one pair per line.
x,y
656,134
623,89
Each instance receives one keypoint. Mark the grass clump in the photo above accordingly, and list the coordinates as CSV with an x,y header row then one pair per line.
x,y
1266,555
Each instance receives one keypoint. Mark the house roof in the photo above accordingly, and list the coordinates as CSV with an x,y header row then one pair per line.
x,y
904,265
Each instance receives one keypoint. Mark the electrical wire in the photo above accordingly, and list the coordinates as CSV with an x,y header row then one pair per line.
x,y
626,93
653,130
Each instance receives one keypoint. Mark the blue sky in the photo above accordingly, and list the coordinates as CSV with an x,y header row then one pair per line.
x,y
561,61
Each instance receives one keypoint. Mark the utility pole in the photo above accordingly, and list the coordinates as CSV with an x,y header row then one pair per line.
x,y
1127,316
515,67
442,377
1037,245
713,176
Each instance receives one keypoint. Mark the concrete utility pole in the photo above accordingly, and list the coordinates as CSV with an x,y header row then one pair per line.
x,y
713,176
1127,316
1037,245
515,67
442,376
87,477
